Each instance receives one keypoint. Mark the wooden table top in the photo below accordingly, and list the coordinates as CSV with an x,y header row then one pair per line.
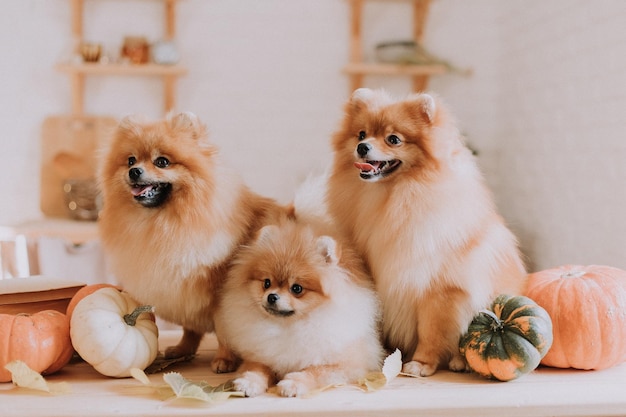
x,y
544,392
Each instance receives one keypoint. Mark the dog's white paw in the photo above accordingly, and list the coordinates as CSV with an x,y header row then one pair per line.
x,y
250,384
292,388
419,368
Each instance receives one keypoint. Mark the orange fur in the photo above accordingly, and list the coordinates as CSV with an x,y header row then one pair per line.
x,y
174,255
423,220
325,334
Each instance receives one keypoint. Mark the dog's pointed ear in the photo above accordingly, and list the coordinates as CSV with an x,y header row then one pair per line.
x,y
184,120
130,125
266,234
128,122
368,98
362,95
328,248
426,106
187,121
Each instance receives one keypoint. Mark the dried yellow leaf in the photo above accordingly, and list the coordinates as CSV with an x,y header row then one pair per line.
x,y
140,376
377,380
392,366
162,391
373,381
184,388
24,377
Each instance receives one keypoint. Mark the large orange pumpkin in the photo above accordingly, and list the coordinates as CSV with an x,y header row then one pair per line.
x,y
587,305
41,340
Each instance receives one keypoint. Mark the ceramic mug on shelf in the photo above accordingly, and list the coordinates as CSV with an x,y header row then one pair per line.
x,y
136,49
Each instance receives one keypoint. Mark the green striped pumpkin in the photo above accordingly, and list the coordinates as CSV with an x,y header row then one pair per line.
x,y
508,340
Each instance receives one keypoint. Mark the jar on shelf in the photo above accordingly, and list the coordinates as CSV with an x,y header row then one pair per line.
x,y
136,49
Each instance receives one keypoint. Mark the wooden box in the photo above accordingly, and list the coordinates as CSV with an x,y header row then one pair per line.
x,y
69,146
36,293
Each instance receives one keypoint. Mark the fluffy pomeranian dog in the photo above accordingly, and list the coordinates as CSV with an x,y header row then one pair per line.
x,y
173,216
300,310
409,194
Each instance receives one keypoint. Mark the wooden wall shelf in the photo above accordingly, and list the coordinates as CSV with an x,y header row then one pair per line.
x,y
394,69
122,69
357,68
78,72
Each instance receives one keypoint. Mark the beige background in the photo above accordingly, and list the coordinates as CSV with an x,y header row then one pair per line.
x,y
545,106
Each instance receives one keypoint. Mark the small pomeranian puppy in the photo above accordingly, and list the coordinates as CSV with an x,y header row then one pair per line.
x,y
172,218
300,310
410,196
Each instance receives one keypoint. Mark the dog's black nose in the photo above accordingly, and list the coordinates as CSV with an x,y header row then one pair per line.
x,y
363,148
135,173
273,298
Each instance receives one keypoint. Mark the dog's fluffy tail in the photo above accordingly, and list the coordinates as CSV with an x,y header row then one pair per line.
x,y
310,200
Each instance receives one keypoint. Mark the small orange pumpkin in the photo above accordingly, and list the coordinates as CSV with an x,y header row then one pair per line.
x,y
41,340
587,305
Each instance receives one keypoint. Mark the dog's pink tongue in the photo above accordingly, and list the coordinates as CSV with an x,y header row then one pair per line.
x,y
364,166
140,189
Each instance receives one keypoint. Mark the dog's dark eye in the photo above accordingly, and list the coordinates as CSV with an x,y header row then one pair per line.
x,y
393,140
162,162
362,135
267,283
132,161
296,289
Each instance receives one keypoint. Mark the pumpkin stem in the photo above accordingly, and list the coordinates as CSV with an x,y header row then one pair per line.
x,y
497,325
131,319
573,274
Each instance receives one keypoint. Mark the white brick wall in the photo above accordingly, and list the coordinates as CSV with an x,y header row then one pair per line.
x,y
545,107
561,127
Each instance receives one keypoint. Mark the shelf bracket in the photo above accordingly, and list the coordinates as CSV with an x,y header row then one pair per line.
x,y
420,11
79,72
356,48
78,88
357,69
170,19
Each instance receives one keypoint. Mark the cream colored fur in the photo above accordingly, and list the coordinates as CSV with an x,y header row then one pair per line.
x,y
429,231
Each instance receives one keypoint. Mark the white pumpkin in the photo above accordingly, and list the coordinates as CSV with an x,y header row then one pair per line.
x,y
111,332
